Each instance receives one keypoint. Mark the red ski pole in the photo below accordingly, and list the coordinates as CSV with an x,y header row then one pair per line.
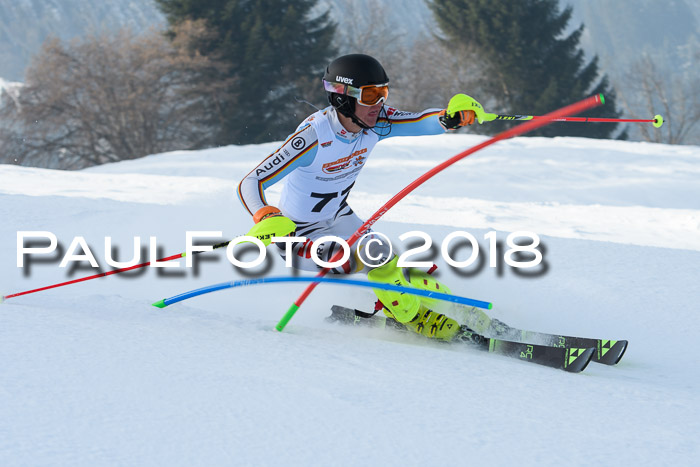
x,y
530,125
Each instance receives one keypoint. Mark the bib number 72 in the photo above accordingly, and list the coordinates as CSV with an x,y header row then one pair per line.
x,y
328,197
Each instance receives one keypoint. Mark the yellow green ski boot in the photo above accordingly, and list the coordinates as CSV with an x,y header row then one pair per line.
x,y
410,310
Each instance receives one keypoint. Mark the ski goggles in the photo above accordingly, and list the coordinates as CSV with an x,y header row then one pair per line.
x,y
369,95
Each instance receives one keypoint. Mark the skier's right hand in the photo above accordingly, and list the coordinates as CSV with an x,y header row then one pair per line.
x,y
461,110
270,222
458,119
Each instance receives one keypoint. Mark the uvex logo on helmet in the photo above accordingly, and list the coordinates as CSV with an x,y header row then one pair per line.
x,y
342,79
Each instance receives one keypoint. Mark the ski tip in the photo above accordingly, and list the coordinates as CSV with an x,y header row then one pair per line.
x,y
602,98
160,304
578,359
610,352
619,349
623,351
623,345
490,306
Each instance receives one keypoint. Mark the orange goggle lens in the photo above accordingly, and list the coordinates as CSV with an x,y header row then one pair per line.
x,y
373,95
369,95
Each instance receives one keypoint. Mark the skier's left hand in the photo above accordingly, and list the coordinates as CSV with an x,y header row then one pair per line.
x,y
462,110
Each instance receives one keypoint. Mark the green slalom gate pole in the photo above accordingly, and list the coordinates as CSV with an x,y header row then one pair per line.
x,y
531,124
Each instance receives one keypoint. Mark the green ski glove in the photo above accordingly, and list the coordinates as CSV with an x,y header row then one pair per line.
x,y
462,110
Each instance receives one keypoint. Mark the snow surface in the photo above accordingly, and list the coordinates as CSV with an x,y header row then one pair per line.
x,y
92,374
10,88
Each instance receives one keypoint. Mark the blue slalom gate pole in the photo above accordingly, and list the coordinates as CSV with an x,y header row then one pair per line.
x,y
352,282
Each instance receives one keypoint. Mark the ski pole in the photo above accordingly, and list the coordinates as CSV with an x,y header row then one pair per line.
x,y
657,121
578,107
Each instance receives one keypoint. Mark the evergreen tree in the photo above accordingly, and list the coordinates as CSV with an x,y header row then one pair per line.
x,y
275,51
533,68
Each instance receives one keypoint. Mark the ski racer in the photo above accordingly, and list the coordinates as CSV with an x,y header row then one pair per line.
x,y
320,162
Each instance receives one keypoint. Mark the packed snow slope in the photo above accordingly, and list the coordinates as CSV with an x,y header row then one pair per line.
x,y
92,374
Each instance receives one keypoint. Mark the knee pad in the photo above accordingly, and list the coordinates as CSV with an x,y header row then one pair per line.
x,y
403,307
424,281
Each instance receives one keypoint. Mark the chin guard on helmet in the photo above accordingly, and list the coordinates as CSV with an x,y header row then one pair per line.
x,y
345,105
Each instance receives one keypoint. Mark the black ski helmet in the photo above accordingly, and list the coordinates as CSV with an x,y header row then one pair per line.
x,y
356,70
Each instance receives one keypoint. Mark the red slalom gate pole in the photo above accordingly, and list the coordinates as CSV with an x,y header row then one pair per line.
x,y
82,279
529,125
109,273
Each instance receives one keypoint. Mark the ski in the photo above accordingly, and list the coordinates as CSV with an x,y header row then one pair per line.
x,y
607,351
571,359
